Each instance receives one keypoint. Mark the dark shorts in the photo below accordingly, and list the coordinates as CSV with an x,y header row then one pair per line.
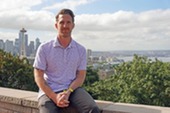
x,y
80,102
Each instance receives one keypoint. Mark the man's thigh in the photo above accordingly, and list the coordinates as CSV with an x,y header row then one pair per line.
x,y
83,101
45,105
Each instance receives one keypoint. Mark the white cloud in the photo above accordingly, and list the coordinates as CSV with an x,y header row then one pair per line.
x,y
107,31
16,14
125,30
72,4
7,35
18,4
37,20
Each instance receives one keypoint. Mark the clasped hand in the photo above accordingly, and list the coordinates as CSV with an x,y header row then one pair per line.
x,y
62,99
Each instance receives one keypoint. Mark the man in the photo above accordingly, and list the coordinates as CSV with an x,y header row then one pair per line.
x,y
60,70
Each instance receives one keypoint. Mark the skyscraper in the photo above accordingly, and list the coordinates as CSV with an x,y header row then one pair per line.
x,y
16,47
31,50
9,46
1,44
37,43
22,38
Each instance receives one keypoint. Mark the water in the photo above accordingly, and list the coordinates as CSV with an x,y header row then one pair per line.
x,y
163,59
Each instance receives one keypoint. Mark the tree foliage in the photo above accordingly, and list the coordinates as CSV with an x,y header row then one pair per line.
x,y
141,81
91,77
16,73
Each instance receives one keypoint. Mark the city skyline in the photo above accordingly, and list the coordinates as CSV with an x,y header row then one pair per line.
x,y
20,46
100,25
24,48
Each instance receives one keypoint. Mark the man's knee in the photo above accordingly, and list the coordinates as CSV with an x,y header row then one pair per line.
x,y
46,105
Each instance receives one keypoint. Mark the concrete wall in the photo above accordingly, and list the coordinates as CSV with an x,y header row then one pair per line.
x,y
20,101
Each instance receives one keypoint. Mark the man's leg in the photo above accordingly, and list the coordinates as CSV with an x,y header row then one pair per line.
x,y
83,101
69,109
46,105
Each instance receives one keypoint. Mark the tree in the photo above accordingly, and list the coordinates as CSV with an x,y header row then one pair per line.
x,y
141,81
91,77
16,73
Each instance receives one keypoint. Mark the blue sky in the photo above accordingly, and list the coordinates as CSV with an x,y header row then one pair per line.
x,y
101,25
110,6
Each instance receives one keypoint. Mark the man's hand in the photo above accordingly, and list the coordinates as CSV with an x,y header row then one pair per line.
x,y
62,99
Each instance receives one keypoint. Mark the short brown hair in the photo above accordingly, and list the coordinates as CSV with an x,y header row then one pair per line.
x,y
65,11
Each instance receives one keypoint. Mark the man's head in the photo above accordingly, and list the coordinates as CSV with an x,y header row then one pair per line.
x,y
65,11
65,23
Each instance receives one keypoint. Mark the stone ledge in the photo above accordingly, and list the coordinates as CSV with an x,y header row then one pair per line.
x,y
28,99
19,97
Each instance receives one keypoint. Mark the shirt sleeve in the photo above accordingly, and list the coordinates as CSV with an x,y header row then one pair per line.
x,y
83,60
40,58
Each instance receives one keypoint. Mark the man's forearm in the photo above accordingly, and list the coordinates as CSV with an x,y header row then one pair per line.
x,y
41,83
79,80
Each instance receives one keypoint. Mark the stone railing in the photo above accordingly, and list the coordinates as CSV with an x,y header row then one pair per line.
x,y
20,101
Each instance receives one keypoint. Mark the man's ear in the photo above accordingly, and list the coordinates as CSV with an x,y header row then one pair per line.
x,y
73,25
56,25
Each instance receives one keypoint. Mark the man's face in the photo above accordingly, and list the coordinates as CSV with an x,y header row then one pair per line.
x,y
64,25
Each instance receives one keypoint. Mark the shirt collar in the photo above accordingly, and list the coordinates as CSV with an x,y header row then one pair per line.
x,y
57,44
